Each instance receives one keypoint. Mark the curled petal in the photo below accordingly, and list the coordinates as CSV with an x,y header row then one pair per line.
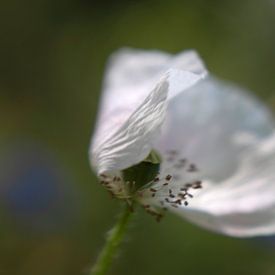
x,y
230,136
133,141
130,76
212,124
131,116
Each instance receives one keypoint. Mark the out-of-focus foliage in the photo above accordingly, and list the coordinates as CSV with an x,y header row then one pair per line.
x,y
53,214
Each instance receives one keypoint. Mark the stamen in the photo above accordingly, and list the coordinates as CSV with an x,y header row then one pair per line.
x,y
116,187
178,201
172,152
192,168
197,185
153,212
178,194
168,188
103,176
156,179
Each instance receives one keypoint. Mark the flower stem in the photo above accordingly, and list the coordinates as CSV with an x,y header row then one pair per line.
x,y
113,241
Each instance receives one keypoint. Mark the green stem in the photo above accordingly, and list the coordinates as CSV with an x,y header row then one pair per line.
x,y
113,241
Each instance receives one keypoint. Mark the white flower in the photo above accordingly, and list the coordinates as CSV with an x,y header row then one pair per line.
x,y
209,134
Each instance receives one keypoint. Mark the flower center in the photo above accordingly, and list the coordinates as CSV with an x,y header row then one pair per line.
x,y
156,190
173,189
143,172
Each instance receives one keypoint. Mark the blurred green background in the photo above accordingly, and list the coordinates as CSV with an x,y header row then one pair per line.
x,y
53,213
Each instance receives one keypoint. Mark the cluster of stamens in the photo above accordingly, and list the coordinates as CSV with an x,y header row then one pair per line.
x,y
168,195
114,185
168,190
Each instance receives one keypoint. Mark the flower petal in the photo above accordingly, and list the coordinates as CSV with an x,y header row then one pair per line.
x,y
133,141
230,137
130,116
212,124
243,205
131,75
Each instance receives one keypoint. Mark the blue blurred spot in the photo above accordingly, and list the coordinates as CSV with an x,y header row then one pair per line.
x,y
36,193
33,191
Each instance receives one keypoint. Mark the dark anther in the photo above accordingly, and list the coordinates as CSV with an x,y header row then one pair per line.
x,y
111,193
197,185
192,168
188,185
181,163
183,196
172,152
159,217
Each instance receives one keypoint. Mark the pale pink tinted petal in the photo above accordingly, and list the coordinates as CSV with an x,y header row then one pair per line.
x,y
243,205
235,224
133,141
131,75
212,124
130,116
230,136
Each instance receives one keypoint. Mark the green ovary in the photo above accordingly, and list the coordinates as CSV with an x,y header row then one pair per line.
x,y
143,172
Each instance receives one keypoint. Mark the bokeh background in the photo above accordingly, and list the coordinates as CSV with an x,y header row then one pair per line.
x,y
53,213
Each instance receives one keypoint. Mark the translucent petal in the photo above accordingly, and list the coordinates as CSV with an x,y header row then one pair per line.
x,y
229,136
133,141
130,76
130,116
244,204
212,124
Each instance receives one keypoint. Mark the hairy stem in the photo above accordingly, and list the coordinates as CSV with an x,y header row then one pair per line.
x,y
113,241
